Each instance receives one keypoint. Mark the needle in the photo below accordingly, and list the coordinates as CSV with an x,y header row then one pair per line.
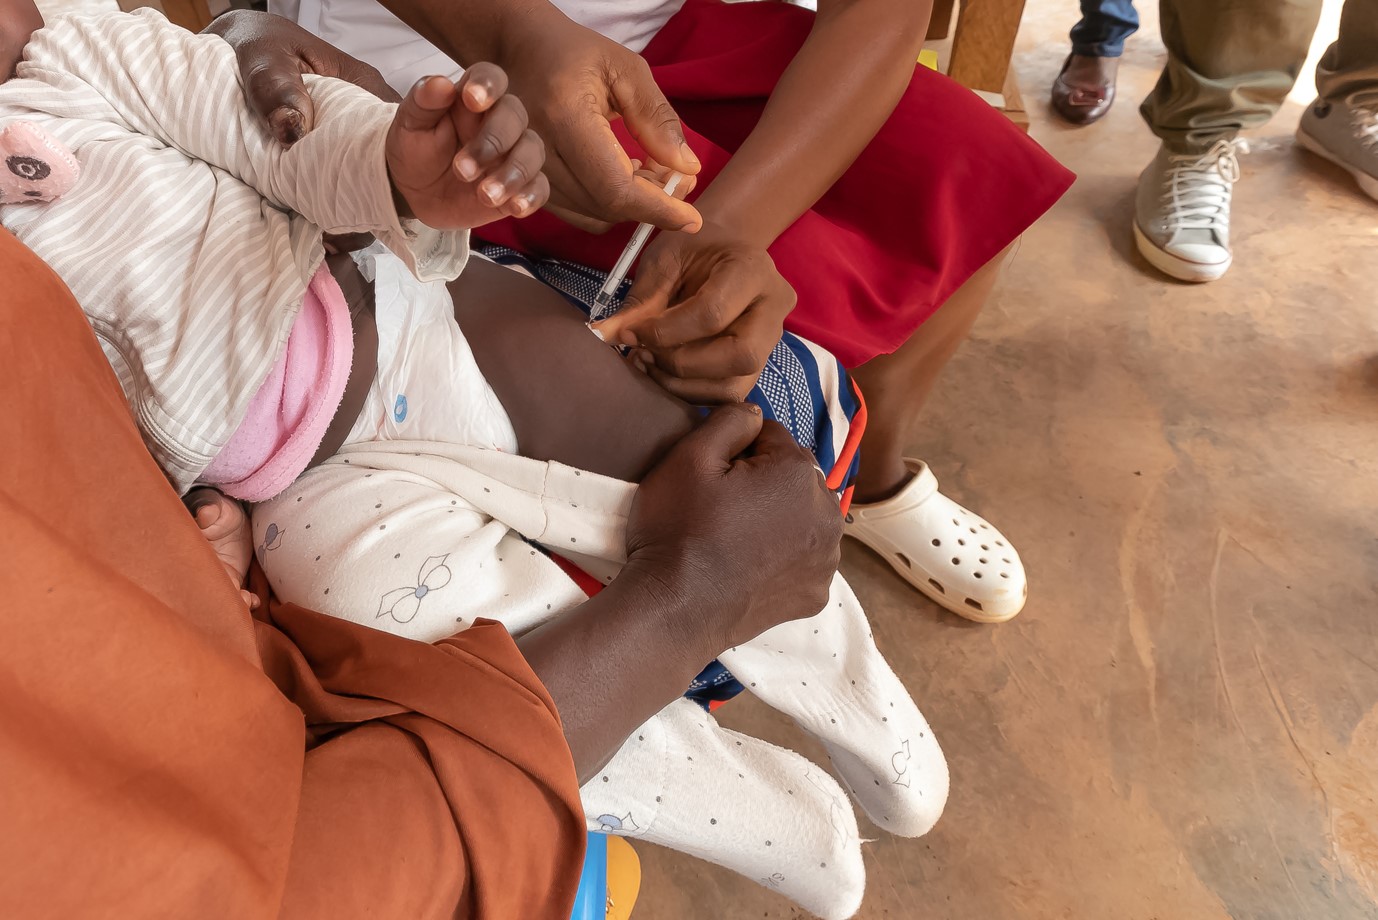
x,y
634,247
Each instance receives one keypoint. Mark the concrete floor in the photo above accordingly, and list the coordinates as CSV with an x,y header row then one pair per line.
x,y
1183,723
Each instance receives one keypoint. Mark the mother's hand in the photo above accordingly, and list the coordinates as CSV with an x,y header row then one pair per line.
x,y
738,522
273,54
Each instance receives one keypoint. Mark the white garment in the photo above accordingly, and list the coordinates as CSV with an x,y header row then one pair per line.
x,y
366,30
428,386
191,235
420,538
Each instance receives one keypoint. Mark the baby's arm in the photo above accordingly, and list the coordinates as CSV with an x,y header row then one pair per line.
x,y
152,78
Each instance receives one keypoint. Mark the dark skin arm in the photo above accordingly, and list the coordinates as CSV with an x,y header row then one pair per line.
x,y
582,84
711,305
833,98
721,547
18,20
707,307
575,81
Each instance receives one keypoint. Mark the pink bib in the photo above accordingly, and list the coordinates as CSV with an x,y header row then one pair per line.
x,y
290,413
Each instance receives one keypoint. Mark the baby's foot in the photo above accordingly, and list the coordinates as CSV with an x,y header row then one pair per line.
x,y
226,528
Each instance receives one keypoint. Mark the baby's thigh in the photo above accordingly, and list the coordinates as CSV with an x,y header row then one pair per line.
x,y
570,398
398,552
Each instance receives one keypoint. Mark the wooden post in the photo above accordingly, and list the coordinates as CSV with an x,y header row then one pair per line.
x,y
984,43
940,24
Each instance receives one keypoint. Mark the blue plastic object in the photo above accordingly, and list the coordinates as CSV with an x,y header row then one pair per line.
x,y
591,903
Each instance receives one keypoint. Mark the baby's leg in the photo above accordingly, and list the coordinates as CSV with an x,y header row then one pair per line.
x,y
685,782
399,552
570,397
827,674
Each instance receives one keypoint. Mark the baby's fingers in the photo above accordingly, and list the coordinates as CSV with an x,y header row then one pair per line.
x,y
528,200
428,102
514,173
481,86
501,127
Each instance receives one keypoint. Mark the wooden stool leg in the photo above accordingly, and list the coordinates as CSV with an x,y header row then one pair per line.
x,y
940,24
984,43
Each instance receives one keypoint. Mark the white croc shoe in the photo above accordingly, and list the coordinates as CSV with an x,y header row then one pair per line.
x,y
953,556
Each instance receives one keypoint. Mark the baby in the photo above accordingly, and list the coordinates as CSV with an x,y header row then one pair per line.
x,y
384,446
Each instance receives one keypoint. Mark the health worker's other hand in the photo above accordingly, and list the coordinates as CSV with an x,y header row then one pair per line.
x,y
738,521
703,315
574,83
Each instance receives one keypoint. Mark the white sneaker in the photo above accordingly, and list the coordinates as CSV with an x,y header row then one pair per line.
x,y
953,556
1346,134
1182,212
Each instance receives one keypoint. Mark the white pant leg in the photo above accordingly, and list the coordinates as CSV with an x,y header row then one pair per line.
x,y
828,676
685,782
397,551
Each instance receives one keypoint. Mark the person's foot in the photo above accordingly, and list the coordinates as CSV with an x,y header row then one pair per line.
x,y
225,526
1346,134
1085,89
951,555
1182,212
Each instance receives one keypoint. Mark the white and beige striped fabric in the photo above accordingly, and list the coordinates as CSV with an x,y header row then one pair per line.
x,y
191,234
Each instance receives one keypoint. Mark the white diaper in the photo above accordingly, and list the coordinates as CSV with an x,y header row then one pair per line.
x,y
428,386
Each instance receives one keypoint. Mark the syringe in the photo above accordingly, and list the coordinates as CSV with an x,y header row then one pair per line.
x,y
634,247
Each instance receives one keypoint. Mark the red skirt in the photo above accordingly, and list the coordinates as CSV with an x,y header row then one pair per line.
x,y
945,185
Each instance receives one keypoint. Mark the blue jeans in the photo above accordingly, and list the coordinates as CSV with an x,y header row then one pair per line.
x,y
1104,26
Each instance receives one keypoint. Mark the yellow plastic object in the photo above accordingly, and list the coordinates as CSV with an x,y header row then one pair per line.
x,y
929,59
624,878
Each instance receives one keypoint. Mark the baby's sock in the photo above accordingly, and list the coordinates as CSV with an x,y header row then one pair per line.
x,y
685,782
827,674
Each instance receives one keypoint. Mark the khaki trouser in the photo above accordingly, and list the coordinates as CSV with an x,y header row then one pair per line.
x,y
1231,63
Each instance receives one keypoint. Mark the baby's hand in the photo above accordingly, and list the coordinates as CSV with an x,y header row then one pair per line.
x,y
460,154
226,528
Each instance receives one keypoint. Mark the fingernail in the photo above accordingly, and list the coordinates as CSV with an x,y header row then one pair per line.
x,y
491,189
287,124
478,94
688,154
596,331
525,203
467,167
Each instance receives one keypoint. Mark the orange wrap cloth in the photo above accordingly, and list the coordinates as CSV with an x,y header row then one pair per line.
x,y
166,754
